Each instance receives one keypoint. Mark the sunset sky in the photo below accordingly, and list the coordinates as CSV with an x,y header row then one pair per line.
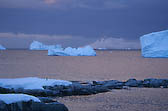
x,y
102,23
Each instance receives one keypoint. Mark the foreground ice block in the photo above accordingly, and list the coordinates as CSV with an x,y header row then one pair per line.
x,y
13,98
35,45
155,44
2,48
69,51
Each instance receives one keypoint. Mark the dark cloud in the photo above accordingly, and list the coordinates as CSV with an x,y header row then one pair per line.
x,y
115,43
89,19
10,40
22,40
64,4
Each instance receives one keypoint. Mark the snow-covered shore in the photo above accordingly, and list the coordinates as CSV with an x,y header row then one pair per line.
x,y
13,98
24,102
31,83
61,88
64,88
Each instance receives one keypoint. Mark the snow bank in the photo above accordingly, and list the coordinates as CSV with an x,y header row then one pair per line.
x,y
155,44
31,83
2,48
13,98
35,45
69,51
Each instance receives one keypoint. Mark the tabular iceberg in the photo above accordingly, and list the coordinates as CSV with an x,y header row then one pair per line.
x,y
69,51
155,44
2,48
35,45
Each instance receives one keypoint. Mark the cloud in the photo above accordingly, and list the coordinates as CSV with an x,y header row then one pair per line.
x,y
35,36
21,40
29,4
65,4
115,43
70,4
88,4
50,1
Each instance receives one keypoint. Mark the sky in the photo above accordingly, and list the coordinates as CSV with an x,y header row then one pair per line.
x,y
99,23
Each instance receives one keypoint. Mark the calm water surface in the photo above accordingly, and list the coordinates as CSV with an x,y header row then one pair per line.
x,y
119,65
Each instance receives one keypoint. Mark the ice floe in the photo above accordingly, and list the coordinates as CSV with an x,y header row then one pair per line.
x,y
69,51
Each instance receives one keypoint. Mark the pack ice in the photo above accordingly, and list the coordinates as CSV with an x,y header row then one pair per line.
x,y
69,51
155,44
2,48
35,45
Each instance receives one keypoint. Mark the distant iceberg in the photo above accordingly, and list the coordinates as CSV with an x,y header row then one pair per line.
x,y
35,45
155,44
2,48
69,51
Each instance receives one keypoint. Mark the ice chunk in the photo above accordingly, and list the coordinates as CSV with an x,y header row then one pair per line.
x,y
86,51
2,48
57,52
13,98
31,83
35,45
69,51
155,44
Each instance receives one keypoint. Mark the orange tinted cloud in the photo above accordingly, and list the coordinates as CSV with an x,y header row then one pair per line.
x,y
60,3
51,1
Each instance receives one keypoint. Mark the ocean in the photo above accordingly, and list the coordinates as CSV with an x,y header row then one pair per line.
x,y
107,65
110,64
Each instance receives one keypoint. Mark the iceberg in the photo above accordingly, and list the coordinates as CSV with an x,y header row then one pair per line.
x,y
155,44
69,51
31,83
2,48
13,98
57,52
35,45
